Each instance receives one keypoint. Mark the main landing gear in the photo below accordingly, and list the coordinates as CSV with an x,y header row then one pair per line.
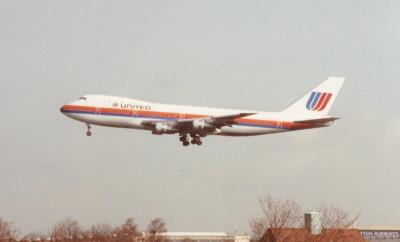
x,y
184,140
88,133
195,139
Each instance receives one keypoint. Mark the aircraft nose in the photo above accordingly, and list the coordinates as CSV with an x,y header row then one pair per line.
x,y
63,109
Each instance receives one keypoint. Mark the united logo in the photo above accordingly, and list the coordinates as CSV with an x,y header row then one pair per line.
x,y
318,101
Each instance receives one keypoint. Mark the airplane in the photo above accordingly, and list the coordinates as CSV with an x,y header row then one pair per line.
x,y
310,111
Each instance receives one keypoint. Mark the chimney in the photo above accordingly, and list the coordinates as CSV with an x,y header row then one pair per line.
x,y
312,222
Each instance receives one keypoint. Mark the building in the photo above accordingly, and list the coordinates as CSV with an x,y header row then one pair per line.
x,y
305,235
312,232
204,237
380,233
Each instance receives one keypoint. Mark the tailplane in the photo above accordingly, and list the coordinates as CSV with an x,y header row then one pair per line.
x,y
317,102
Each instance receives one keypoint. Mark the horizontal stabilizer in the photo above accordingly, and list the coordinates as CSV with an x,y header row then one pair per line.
x,y
316,121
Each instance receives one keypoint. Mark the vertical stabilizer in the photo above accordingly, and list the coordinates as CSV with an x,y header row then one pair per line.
x,y
317,102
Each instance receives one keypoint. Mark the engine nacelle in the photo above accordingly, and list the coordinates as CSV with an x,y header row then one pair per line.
x,y
199,124
202,125
161,128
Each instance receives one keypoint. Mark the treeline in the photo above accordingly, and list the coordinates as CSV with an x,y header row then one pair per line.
x,y
70,230
275,213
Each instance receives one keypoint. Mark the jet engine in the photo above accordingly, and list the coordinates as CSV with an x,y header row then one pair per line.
x,y
202,125
161,128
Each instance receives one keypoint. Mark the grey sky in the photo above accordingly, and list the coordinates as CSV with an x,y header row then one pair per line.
x,y
237,54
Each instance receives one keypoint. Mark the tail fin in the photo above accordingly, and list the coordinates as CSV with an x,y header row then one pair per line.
x,y
317,102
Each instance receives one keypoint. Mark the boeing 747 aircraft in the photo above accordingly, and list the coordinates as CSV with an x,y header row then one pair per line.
x,y
310,111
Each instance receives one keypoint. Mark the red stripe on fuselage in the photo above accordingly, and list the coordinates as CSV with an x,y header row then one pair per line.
x,y
170,115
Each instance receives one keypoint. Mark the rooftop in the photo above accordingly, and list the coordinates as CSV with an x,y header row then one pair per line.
x,y
378,227
303,235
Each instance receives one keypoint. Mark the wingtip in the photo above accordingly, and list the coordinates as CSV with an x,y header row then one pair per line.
x,y
247,114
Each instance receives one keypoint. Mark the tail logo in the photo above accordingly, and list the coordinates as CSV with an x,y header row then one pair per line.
x,y
318,101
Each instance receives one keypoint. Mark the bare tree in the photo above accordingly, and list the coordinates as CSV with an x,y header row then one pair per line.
x,y
34,236
276,213
67,230
154,228
336,218
128,231
7,231
101,232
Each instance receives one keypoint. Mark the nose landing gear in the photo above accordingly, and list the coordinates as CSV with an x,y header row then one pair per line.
x,y
88,133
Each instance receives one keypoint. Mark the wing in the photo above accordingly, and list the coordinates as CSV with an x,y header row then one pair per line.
x,y
205,124
227,120
321,122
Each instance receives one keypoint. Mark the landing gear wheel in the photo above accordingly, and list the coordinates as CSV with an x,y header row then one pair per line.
x,y
88,133
196,139
184,139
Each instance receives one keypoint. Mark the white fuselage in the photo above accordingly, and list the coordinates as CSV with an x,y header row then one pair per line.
x,y
130,113
193,123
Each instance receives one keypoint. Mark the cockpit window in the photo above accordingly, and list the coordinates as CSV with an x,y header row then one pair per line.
x,y
82,98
